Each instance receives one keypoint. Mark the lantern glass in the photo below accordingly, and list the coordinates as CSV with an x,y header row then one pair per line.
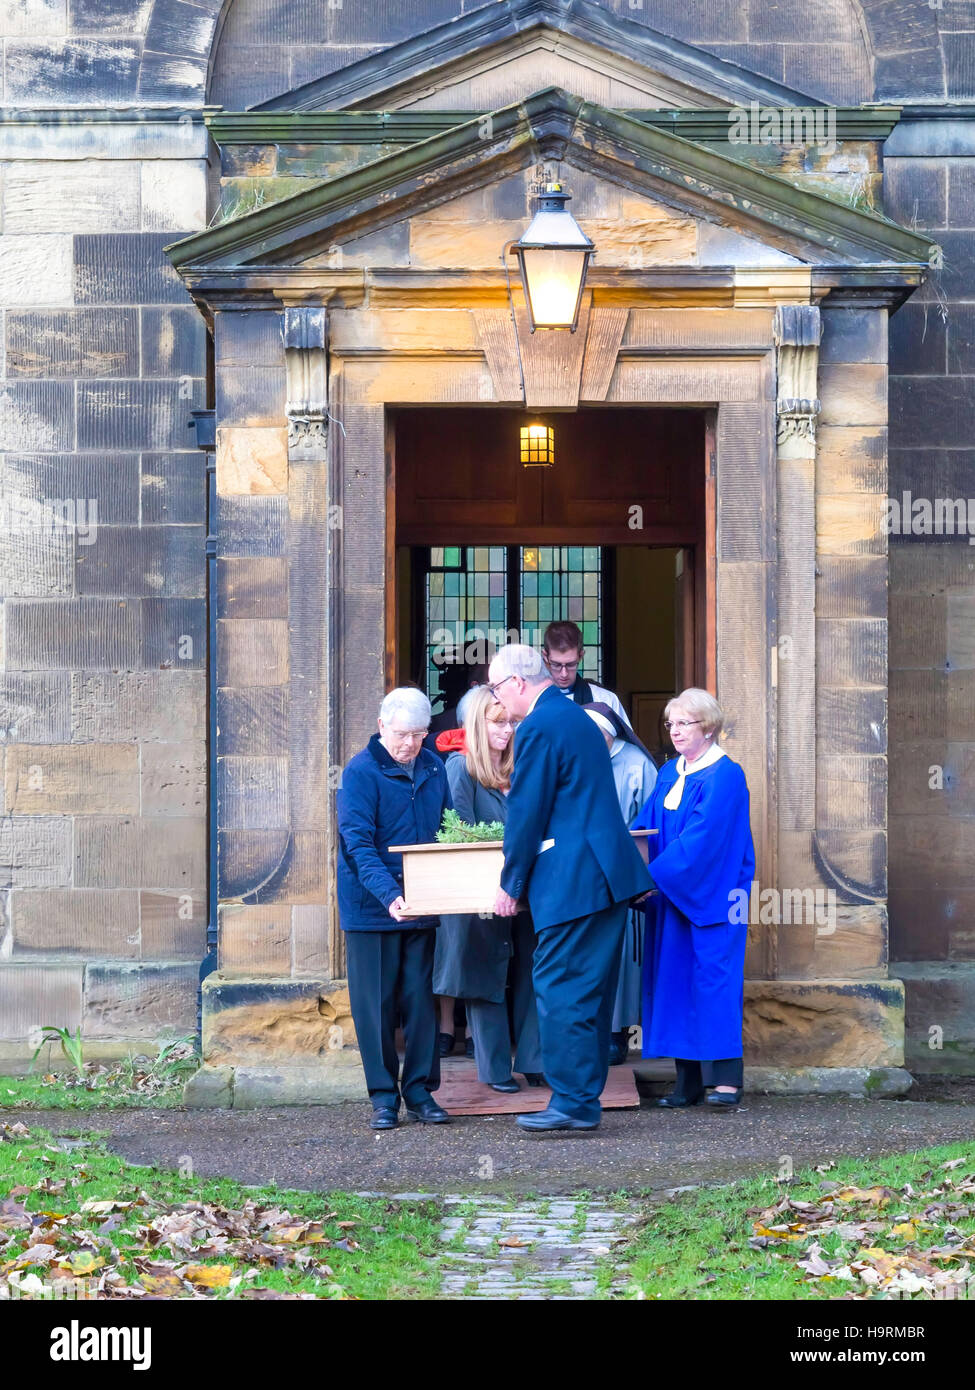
x,y
537,446
553,284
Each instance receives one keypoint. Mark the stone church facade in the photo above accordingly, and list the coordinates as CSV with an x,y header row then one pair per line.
x,y
240,240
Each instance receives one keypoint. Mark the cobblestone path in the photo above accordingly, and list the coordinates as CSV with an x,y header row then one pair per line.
x,y
547,1248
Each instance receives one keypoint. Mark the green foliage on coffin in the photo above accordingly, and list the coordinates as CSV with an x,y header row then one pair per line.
x,y
455,831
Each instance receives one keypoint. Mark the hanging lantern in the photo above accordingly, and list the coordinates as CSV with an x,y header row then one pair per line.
x,y
537,446
553,255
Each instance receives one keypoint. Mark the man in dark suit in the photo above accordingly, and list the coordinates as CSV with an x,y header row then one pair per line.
x,y
567,848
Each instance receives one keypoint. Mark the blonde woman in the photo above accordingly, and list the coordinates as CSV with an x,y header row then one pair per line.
x,y
694,954
474,953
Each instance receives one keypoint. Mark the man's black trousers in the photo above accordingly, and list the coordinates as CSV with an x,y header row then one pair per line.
x,y
391,977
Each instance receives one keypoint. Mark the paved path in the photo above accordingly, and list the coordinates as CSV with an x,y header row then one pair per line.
x,y
550,1249
322,1147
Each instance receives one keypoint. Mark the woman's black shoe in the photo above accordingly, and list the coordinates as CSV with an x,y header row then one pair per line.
x,y
673,1102
469,1048
724,1098
535,1078
509,1087
445,1044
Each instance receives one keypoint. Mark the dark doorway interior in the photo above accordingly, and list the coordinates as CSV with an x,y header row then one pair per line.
x,y
614,534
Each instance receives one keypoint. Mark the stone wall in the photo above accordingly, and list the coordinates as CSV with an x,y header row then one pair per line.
x,y
102,570
932,604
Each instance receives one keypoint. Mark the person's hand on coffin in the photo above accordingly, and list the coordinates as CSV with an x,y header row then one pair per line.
x,y
504,904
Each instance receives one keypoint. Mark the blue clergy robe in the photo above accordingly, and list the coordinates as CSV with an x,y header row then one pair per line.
x,y
694,953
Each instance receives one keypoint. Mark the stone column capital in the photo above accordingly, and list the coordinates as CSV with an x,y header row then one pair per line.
x,y
304,328
796,331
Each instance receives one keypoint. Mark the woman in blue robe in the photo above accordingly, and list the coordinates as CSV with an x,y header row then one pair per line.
x,y
694,954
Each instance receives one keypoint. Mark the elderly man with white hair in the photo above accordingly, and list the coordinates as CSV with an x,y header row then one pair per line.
x,y
394,792
567,849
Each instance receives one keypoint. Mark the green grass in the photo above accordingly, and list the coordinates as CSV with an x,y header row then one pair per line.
x,y
398,1240
131,1082
696,1246
33,1093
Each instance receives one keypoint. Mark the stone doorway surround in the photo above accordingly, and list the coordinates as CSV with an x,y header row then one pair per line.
x,y
308,359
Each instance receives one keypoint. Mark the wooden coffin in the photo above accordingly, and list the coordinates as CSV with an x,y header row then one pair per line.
x,y
442,879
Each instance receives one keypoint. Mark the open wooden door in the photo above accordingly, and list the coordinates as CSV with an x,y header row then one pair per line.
x,y
685,646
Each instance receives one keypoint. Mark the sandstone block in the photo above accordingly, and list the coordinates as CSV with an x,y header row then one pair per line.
x,y
73,343
36,270
173,925
173,344
75,922
35,853
336,1078
310,929
72,779
940,1015
140,1000
252,651
252,460
173,633
252,792
71,633
173,779
124,268
174,195
210,1086
253,722
32,995
840,1023
851,524
253,586
853,394
29,18
173,487
280,1021
255,940
96,195
37,415
869,1083
136,414
34,707
167,853
144,706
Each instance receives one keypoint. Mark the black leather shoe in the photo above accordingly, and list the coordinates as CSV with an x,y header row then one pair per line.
x,y
469,1048
720,1099
428,1112
385,1118
445,1043
535,1078
553,1119
509,1087
673,1102
619,1049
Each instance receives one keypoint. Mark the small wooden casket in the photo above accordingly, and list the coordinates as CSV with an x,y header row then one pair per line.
x,y
442,879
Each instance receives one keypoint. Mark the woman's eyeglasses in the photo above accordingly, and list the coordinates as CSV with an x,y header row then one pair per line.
x,y
680,723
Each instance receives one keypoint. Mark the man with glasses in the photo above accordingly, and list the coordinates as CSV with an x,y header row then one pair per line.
x,y
567,849
563,652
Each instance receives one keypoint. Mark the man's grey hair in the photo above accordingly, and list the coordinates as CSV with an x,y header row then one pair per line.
x,y
463,704
517,659
411,703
